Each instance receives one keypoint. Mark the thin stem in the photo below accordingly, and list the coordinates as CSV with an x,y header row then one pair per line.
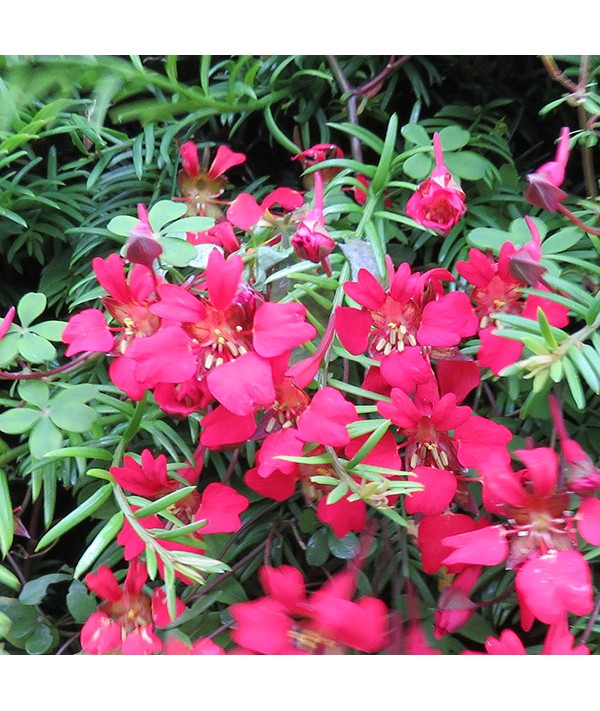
x,y
391,67
576,221
75,363
591,622
351,101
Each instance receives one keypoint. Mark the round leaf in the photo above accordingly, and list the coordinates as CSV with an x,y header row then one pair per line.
x,y
30,307
467,165
34,392
123,224
344,548
36,349
165,211
454,137
191,224
490,238
415,133
40,641
177,252
18,420
418,166
9,347
51,330
317,550
44,438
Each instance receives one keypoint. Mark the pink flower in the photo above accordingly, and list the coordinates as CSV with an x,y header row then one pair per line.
x,y
538,537
312,241
202,184
317,154
558,641
543,190
438,203
7,321
126,619
245,213
142,245
498,287
287,621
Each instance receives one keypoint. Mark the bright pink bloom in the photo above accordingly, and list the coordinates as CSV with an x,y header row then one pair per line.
x,y
202,184
126,619
543,190
438,203
326,419
204,645
221,234
498,288
148,479
412,312
583,477
311,240
221,506
88,331
317,154
245,213
454,607
7,321
538,537
558,641
287,621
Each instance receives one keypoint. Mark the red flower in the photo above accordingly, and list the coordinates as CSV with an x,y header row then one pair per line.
x,y
538,537
412,312
126,619
202,185
498,287
558,641
245,213
287,621
438,203
317,154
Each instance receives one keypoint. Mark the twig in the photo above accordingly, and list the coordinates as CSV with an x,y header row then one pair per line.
x,y
391,67
591,622
347,88
4,375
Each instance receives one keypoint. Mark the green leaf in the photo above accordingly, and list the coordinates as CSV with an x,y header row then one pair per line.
x,y
165,211
10,580
177,252
191,224
9,347
370,444
50,330
44,437
418,166
338,493
36,349
454,137
87,452
382,174
467,165
584,367
344,548
35,591
123,224
69,412
562,240
41,640
18,420
574,384
317,548
415,133
76,516
164,502
545,329
80,602
7,525
490,238
100,542
34,392
30,307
